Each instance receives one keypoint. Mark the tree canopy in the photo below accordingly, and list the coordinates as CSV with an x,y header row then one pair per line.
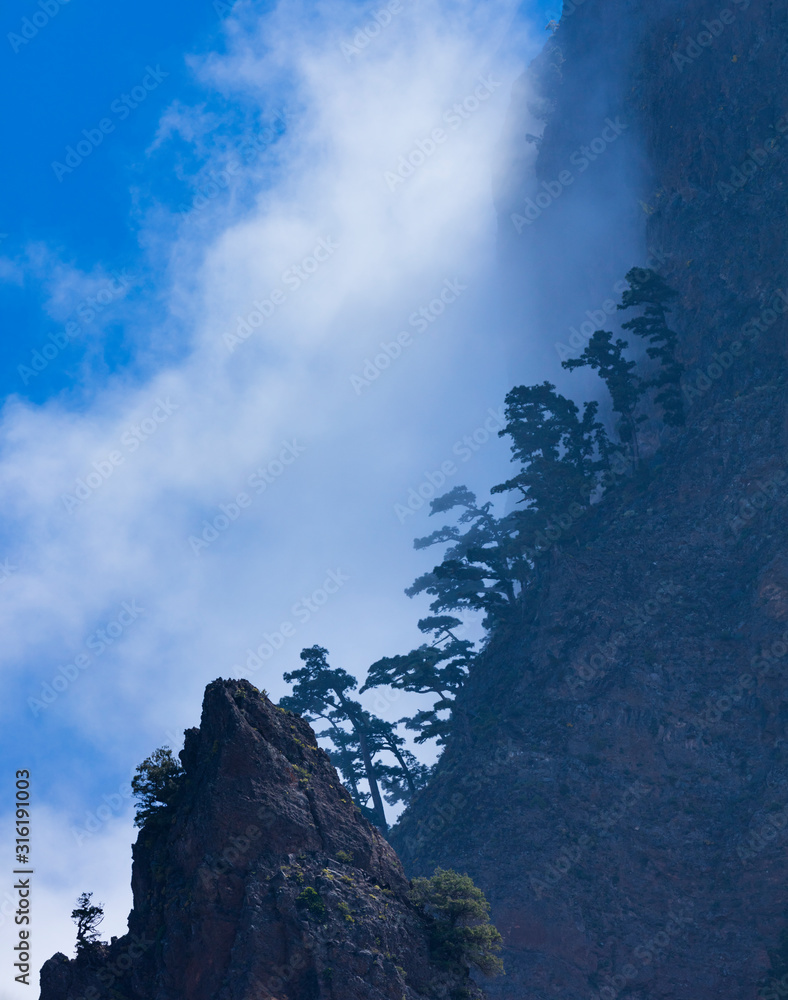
x,y
322,692
606,356
155,783
87,916
483,569
647,290
439,668
566,461
462,932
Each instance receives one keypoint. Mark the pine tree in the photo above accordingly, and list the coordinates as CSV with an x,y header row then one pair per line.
x,y
604,355
154,785
560,455
402,780
483,569
344,751
647,289
439,669
87,917
462,932
321,692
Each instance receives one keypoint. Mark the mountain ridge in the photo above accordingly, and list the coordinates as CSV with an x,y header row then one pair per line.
x,y
261,879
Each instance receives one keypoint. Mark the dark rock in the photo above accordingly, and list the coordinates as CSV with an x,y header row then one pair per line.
x,y
260,880
622,797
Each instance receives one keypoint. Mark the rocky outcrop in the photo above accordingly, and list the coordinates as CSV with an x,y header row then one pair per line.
x,y
623,797
261,880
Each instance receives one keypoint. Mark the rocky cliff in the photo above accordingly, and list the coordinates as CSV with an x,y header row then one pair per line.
x,y
623,796
261,880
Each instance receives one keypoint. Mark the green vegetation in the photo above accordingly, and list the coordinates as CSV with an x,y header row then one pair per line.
x,y
439,669
155,783
87,916
566,462
358,738
310,900
482,570
607,357
462,933
649,291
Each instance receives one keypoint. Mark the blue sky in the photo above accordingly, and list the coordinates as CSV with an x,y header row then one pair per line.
x,y
150,415
64,79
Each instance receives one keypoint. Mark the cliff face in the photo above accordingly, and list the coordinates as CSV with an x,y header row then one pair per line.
x,y
260,880
623,798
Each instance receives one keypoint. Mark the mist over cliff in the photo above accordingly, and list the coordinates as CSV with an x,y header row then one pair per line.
x,y
616,780
621,794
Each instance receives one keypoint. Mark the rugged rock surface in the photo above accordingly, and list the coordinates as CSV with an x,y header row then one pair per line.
x,y
623,799
261,880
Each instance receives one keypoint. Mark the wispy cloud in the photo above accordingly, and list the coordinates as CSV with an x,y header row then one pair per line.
x,y
348,123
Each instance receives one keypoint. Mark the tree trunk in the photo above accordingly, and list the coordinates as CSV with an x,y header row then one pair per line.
x,y
348,764
371,779
395,750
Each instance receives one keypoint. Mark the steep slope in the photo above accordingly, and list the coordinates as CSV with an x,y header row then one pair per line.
x,y
260,880
623,798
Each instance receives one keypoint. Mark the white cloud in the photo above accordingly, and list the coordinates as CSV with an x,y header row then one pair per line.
x,y
62,872
332,508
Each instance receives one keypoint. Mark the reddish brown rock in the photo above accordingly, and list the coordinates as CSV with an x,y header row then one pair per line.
x,y
261,880
618,769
